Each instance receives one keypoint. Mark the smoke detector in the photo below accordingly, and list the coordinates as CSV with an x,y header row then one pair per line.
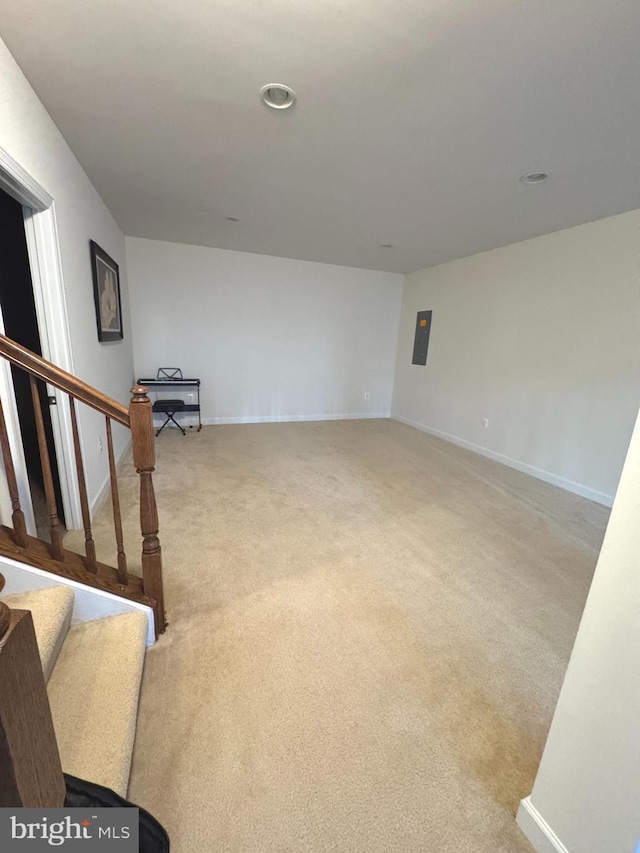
x,y
278,96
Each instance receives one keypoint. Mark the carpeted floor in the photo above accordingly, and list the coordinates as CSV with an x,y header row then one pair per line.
x,y
368,632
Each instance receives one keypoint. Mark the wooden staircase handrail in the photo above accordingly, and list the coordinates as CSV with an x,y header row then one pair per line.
x,y
138,417
42,369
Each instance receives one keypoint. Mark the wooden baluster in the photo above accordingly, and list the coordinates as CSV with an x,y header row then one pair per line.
x,y
57,549
115,500
30,771
142,436
19,526
89,544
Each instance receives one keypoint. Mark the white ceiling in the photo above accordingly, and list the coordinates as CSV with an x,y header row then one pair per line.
x,y
415,118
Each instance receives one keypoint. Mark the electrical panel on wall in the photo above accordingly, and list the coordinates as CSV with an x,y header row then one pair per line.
x,y
421,340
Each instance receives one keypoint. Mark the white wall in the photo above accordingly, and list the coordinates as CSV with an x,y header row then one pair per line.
x,y
541,338
30,137
271,338
587,790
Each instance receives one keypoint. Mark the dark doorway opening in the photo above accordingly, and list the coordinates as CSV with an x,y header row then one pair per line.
x,y
18,307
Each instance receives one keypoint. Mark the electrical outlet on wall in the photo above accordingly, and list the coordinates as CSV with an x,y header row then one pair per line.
x,y
485,422
366,395
100,445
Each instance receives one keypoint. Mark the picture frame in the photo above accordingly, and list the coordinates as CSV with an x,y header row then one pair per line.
x,y
106,294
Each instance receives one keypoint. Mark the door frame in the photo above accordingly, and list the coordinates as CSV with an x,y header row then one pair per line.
x,y
43,248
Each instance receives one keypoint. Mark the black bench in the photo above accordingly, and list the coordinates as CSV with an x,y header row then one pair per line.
x,y
169,408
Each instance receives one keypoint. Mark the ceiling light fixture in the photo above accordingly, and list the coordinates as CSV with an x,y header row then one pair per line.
x,y
386,245
278,96
232,218
534,178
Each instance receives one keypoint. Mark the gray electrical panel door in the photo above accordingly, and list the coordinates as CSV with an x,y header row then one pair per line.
x,y
421,341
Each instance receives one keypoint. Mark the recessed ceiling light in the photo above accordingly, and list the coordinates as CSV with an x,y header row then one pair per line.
x,y
534,178
386,245
278,96
232,218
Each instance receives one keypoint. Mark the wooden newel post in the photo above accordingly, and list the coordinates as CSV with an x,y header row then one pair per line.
x,y
30,771
144,459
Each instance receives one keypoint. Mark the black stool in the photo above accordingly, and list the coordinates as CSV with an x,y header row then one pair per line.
x,y
169,408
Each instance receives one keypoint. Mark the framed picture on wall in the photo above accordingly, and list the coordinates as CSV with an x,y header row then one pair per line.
x,y
106,294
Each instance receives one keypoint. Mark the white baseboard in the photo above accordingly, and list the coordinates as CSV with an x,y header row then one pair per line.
x,y
537,830
539,473
273,419
103,491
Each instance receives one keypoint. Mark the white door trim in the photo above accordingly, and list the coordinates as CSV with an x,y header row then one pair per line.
x,y
46,272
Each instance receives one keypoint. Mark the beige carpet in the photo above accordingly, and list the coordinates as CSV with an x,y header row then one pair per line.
x,y
51,611
93,694
368,632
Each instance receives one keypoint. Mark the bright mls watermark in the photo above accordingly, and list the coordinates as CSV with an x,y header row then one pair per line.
x,y
103,830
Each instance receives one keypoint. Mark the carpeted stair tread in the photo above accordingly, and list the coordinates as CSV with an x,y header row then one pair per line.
x,y
93,693
51,611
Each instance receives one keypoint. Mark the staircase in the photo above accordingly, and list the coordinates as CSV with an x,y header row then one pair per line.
x,y
69,688
92,672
